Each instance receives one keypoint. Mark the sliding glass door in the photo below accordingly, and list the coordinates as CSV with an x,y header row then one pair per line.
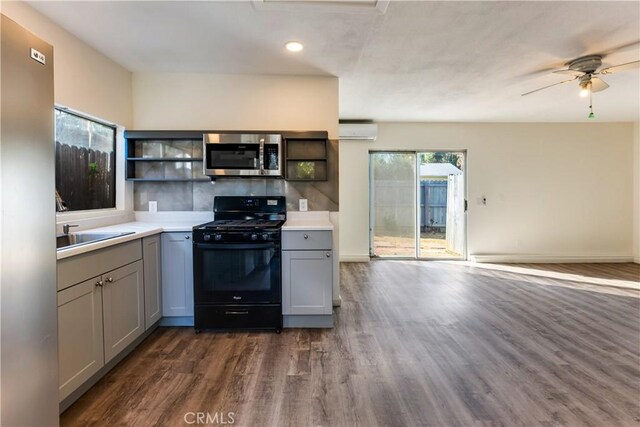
x,y
417,205
393,204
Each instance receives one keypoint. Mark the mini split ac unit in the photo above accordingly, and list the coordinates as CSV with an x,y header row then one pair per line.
x,y
358,131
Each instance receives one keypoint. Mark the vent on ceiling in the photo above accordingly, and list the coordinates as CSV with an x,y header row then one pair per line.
x,y
338,6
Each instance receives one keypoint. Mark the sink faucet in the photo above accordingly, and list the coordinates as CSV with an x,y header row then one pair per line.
x,y
66,227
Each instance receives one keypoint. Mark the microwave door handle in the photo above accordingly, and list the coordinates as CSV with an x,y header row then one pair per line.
x,y
261,161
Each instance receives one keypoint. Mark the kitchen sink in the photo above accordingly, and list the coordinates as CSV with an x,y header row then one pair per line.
x,y
64,241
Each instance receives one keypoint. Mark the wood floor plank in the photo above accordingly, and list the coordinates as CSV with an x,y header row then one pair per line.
x,y
414,344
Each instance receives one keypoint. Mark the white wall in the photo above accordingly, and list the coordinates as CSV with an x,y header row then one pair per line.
x,y
84,79
636,192
177,101
553,190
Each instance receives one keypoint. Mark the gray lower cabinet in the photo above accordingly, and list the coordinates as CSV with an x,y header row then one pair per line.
x,y
80,338
151,256
123,308
307,278
177,275
100,310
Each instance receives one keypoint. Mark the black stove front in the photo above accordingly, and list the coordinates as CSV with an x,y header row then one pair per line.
x,y
237,265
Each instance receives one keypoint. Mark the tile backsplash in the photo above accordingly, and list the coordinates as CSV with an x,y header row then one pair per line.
x,y
198,196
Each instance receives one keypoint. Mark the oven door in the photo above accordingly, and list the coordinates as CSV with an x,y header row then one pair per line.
x,y
237,273
232,159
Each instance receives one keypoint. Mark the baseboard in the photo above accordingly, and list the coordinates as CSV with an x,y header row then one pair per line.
x,y
308,321
177,321
354,258
550,259
636,260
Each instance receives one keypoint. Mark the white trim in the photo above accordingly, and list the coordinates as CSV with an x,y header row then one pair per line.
x,y
354,258
551,259
636,260
336,6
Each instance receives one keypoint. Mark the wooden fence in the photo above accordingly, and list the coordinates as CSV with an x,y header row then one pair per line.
x,y
85,178
393,206
433,203
455,214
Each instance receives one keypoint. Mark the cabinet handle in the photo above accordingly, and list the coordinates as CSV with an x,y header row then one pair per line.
x,y
99,283
306,236
187,237
109,280
236,312
328,254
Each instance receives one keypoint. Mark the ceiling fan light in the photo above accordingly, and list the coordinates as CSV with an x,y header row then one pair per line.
x,y
585,89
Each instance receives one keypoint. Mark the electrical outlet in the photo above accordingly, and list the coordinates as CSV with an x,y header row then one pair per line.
x,y
153,206
303,205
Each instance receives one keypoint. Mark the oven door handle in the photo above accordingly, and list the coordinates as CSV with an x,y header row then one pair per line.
x,y
234,246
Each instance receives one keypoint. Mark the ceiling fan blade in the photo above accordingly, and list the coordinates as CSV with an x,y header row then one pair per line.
x,y
546,87
598,84
621,67
570,71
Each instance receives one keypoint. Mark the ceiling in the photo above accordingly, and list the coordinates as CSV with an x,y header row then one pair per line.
x,y
419,61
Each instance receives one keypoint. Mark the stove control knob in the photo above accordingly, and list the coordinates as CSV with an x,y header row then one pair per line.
x,y
207,237
254,237
218,237
265,236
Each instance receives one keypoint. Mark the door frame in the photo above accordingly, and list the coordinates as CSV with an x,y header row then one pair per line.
x,y
465,254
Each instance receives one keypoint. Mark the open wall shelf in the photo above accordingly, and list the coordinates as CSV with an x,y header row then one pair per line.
x,y
152,159
306,159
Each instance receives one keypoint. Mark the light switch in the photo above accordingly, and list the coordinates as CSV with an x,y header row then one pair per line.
x,y
153,206
303,206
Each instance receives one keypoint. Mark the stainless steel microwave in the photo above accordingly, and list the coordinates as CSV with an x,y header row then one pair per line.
x,y
234,154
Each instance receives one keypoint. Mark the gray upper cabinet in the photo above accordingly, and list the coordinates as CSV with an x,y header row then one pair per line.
x,y
123,308
177,275
80,339
307,273
152,276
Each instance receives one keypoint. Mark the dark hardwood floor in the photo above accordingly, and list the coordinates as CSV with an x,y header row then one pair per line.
x,y
415,343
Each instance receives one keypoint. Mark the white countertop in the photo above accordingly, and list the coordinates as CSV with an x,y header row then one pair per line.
x,y
314,220
139,229
155,224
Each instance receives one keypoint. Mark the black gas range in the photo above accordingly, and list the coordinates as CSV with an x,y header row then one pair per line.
x,y
237,265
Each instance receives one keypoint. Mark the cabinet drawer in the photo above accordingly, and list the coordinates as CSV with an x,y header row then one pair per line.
x,y
263,316
306,240
85,266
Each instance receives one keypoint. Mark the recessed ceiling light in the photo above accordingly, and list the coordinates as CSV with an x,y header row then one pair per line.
x,y
294,46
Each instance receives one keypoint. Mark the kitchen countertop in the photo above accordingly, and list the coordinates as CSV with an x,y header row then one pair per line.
x,y
150,225
139,229
312,221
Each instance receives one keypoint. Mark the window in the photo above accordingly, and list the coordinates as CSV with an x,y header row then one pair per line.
x,y
85,162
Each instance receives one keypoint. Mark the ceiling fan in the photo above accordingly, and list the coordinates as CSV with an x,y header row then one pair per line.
x,y
585,71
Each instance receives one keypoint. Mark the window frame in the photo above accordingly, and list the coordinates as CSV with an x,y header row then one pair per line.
x,y
113,126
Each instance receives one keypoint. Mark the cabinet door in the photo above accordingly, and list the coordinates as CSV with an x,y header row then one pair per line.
x,y
80,345
177,275
123,308
307,282
152,275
